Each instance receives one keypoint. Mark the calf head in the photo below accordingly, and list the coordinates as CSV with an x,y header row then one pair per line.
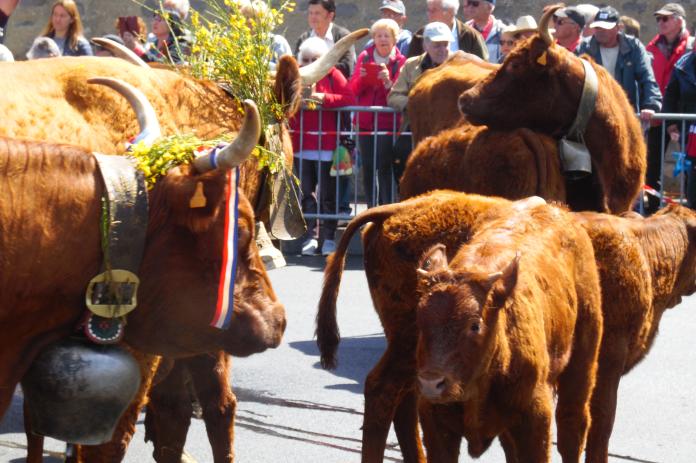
x,y
685,283
457,320
538,86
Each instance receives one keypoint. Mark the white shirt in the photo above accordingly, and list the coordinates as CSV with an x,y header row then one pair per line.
x,y
609,57
328,37
454,44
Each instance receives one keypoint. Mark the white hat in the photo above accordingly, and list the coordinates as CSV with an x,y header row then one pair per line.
x,y
437,32
526,23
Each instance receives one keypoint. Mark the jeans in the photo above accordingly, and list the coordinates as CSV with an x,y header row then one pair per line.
x,y
315,182
383,188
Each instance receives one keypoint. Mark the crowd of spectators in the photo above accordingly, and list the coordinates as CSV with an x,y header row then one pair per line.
x,y
658,77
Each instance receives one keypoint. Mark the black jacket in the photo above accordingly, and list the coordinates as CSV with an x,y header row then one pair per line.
x,y
469,40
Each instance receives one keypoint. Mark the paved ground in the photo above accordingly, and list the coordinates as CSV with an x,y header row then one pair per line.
x,y
292,411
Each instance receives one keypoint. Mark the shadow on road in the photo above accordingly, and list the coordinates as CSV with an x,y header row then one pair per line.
x,y
317,263
356,356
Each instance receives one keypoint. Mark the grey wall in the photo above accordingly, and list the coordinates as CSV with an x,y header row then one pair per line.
x,y
99,16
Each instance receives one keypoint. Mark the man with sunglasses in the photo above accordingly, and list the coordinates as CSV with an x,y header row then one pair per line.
x,y
479,15
569,23
670,44
463,37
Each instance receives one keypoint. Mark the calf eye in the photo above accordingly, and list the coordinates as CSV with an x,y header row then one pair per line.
x,y
475,327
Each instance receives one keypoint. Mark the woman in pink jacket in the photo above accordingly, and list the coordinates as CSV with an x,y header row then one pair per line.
x,y
314,138
376,71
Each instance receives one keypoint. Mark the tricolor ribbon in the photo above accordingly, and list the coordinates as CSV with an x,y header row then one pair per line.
x,y
225,298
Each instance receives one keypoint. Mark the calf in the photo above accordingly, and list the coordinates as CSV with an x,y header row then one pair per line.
x,y
645,267
514,317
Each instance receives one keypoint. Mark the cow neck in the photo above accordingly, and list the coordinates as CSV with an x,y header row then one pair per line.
x,y
588,101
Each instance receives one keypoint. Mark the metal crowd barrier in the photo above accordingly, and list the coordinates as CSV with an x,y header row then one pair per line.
x,y
352,199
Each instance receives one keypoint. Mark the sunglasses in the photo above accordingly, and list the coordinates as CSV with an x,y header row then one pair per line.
x,y
561,21
474,3
662,19
309,60
507,42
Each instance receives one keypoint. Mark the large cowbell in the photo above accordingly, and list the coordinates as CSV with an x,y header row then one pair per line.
x,y
76,391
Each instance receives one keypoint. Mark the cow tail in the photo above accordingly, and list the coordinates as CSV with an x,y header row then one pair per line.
x,y
327,332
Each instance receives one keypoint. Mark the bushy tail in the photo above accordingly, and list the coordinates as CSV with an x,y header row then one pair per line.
x,y
327,332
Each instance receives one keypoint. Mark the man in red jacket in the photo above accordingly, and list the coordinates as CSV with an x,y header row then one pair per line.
x,y
671,42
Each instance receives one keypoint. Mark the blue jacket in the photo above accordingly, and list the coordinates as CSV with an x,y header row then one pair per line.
x,y
680,95
633,71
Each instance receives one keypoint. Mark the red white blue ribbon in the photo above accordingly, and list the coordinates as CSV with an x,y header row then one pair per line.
x,y
225,300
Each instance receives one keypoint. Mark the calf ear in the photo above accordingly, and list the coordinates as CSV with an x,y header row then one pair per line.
x,y
503,283
433,260
288,85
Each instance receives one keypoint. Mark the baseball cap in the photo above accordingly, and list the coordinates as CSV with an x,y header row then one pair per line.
x,y
491,2
397,6
606,18
573,14
437,32
671,9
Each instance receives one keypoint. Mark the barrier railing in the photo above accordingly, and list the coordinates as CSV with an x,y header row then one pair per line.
x,y
350,195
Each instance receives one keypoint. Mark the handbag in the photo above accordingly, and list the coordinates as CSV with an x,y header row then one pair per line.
x,y
341,162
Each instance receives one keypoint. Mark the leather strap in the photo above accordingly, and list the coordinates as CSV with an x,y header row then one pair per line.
x,y
587,104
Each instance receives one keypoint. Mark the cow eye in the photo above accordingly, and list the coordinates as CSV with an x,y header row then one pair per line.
x,y
475,327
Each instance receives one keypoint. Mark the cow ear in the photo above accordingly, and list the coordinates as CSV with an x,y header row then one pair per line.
x,y
502,283
433,260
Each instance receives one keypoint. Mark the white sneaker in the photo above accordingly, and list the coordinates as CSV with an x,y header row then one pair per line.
x,y
328,247
309,247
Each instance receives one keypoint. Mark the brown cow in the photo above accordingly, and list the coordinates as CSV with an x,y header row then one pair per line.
x,y
645,267
512,319
431,105
539,87
395,238
174,322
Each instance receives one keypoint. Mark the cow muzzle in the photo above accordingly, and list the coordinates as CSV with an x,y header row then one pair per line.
x,y
432,385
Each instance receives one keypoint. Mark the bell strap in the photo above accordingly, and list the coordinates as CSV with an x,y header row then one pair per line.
x,y
588,100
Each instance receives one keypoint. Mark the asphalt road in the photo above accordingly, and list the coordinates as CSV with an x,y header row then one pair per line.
x,y
290,410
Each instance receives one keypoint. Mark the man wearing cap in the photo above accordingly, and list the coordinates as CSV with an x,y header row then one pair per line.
x,y
671,42
479,15
569,23
625,58
395,10
320,16
462,37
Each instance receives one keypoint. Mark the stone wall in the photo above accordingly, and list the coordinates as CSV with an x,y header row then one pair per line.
x,y
99,16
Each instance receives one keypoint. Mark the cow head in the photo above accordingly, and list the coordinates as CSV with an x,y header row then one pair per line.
x,y
183,257
538,86
457,320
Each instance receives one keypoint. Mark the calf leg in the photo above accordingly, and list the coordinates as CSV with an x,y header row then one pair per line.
x,y
406,428
385,388
168,416
441,442
612,362
210,374
532,434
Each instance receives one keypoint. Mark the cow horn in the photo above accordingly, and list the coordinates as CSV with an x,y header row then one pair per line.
x,y
120,51
147,118
544,23
239,150
317,70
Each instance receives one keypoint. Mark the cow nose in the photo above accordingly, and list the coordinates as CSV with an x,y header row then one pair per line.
x,y
432,387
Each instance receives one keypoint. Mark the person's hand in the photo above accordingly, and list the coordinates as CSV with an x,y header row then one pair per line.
x,y
318,97
383,75
673,131
646,114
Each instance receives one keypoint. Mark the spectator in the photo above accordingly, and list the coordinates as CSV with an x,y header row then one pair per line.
x,y
5,54
320,16
180,6
395,9
525,26
371,89
313,152
625,58
463,37
630,26
436,39
666,48
171,40
65,28
43,47
680,97
589,12
508,40
101,51
6,9
479,15
133,32
569,23
256,10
